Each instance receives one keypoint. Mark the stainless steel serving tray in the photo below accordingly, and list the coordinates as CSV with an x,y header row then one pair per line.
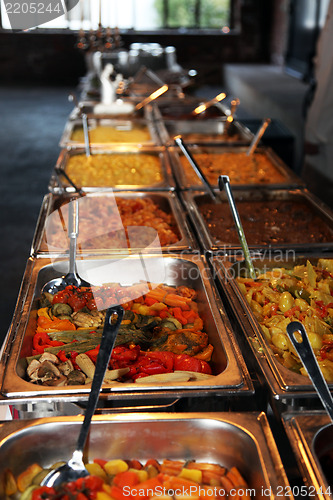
x,y
285,385
59,185
311,436
192,201
208,131
231,376
166,201
181,109
121,124
291,180
88,108
230,439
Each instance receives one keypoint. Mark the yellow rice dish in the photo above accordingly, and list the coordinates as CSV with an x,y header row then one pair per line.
x,y
107,170
105,134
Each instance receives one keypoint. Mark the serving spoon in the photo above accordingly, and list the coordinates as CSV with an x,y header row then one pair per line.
x,y
258,136
74,468
154,95
305,352
71,278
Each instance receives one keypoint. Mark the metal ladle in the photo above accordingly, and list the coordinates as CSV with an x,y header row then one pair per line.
x,y
74,468
258,136
224,183
71,278
305,352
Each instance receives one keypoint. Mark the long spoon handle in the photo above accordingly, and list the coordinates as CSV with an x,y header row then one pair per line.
x,y
73,230
107,342
179,141
224,183
305,352
258,136
152,97
86,134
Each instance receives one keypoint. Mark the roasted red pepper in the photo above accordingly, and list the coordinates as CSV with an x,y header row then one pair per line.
x,y
41,340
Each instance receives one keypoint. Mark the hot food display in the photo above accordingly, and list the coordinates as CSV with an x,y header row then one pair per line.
x,y
259,168
108,479
115,169
175,343
270,218
104,220
107,133
300,293
161,333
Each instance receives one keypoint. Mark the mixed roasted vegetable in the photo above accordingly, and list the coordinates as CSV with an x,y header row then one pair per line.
x,y
129,479
303,293
160,339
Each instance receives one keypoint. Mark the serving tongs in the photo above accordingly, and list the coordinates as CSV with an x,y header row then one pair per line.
x,y
74,468
72,98
179,142
59,171
224,184
300,340
71,278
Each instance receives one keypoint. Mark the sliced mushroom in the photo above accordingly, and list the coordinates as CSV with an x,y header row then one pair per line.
x,y
33,368
76,377
56,382
47,367
66,367
48,356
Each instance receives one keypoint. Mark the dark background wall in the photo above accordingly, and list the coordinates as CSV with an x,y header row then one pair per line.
x,y
41,57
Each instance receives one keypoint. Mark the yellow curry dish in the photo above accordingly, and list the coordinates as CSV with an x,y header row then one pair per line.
x,y
107,170
107,134
302,293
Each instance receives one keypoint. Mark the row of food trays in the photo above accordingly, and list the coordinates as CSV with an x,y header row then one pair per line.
x,y
231,327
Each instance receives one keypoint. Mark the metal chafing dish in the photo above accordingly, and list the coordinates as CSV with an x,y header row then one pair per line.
x,y
88,108
181,109
193,199
124,124
311,437
208,131
166,201
241,440
287,388
290,180
232,378
58,185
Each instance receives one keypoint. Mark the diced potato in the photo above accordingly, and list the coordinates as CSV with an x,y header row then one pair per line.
x,y
113,467
25,478
315,340
286,302
280,341
9,483
96,470
192,474
302,304
142,474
